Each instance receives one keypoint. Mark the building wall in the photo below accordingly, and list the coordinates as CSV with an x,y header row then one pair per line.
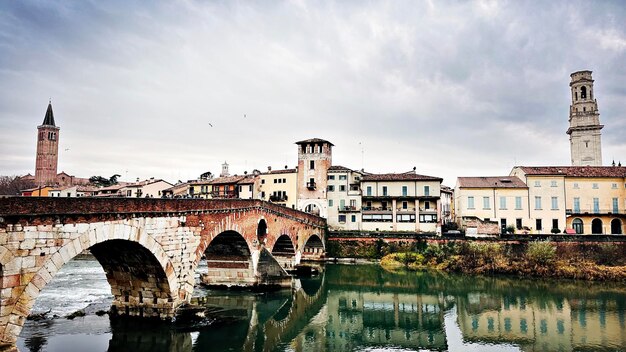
x,y
322,159
344,206
494,211
269,184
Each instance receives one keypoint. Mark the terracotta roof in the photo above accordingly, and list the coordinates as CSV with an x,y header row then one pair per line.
x,y
283,171
491,182
87,189
407,176
314,140
246,181
339,168
112,188
48,120
225,180
576,171
446,189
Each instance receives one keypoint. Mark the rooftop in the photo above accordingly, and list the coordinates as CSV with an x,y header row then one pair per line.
x,y
314,141
279,171
407,176
575,171
491,182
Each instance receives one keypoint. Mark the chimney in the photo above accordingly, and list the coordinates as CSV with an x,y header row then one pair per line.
x,y
269,168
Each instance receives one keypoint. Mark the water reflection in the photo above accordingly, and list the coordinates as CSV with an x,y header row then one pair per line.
x,y
348,308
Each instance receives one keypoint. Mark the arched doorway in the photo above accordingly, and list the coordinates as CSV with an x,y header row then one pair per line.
x,y
578,226
616,227
596,226
312,209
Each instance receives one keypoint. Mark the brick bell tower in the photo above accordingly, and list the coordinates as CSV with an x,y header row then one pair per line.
x,y
47,150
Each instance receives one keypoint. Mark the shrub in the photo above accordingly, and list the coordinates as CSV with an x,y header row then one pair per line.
x,y
541,252
433,250
510,229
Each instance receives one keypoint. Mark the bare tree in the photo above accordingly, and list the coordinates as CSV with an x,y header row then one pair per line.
x,y
13,185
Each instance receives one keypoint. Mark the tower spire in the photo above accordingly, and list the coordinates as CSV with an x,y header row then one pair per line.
x,y
48,120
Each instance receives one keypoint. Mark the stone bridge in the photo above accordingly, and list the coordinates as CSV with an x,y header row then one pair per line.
x,y
149,248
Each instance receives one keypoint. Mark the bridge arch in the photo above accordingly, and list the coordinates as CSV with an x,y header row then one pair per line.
x,y
284,250
130,259
313,247
228,256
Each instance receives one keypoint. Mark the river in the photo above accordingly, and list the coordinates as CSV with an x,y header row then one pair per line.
x,y
346,308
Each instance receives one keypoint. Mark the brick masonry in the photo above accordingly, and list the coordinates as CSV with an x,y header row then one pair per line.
x,y
149,248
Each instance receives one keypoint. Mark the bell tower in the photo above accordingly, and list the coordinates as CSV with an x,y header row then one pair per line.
x,y
314,160
47,150
584,122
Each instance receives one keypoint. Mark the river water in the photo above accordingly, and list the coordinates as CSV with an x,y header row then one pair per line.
x,y
346,308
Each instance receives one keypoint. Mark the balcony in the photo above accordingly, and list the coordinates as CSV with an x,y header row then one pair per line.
x,y
311,185
224,194
348,209
594,211
377,209
276,199
406,210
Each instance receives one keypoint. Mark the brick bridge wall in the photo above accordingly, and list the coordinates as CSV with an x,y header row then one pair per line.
x,y
149,248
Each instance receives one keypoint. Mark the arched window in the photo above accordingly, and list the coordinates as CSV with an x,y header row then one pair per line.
x,y
616,227
578,226
583,92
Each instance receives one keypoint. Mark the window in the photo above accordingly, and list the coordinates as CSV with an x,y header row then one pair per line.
x,y
576,205
575,185
428,218
518,223
384,191
595,186
330,202
427,191
262,195
470,202
342,177
377,218
331,177
284,180
615,205
263,182
614,186
502,202
312,164
342,204
369,190
275,181
553,184
342,188
250,188
353,218
405,218
555,223
538,225
555,203
342,218
405,205
518,203
384,205
426,205
353,203
537,202
537,183
596,205
486,203
331,188
405,191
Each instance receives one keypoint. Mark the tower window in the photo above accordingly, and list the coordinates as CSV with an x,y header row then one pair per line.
x,y
575,95
584,109
312,164
586,144
583,92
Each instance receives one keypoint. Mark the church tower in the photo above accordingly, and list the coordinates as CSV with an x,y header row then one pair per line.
x,y
47,150
584,122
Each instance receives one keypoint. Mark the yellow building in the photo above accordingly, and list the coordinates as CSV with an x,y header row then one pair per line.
x,y
498,200
278,186
584,199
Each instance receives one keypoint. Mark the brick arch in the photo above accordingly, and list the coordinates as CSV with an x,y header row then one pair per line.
x,y
234,259
88,239
308,237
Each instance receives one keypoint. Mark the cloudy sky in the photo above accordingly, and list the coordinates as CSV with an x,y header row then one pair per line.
x,y
453,88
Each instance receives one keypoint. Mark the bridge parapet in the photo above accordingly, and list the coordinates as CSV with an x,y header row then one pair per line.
x,y
50,209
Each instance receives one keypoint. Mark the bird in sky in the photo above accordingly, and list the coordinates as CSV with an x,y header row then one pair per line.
x,y
66,149
244,116
210,124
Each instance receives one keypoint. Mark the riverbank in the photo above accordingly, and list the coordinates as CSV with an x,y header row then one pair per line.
x,y
597,262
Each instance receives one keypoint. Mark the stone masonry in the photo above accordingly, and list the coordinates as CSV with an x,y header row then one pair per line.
x,y
149,248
